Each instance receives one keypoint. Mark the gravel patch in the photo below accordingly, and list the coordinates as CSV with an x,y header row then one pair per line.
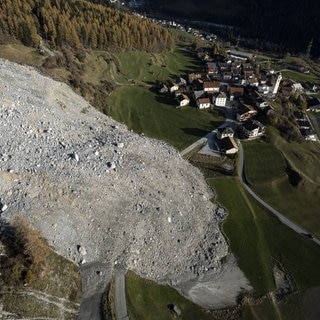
x,y
102,195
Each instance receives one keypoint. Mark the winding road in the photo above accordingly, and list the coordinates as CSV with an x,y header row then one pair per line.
x,y
229,121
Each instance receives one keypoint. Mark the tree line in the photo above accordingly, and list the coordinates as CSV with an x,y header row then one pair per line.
x,y
80,24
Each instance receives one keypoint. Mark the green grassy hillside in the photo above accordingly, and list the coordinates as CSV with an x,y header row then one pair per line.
x,y
258,239
157,116
286,175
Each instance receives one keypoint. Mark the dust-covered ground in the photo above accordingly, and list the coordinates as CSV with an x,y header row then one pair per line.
x,y
102,195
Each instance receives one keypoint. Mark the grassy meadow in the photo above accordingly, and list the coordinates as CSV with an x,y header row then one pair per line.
x,y
21,54
157,116
258,239
143,110
147,300
287,179
151,67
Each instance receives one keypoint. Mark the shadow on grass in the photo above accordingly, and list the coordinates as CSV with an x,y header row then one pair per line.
x,y
293,176
164,99
216,124
196,132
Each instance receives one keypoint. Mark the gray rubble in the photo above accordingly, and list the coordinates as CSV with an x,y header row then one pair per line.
x,y
100,193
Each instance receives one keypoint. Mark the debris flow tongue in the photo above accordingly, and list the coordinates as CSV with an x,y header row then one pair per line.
x,y
99,192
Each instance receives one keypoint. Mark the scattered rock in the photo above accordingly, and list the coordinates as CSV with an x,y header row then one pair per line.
x,y
82,250
111,165
4,207
88,201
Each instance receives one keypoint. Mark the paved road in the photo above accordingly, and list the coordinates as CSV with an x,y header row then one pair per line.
x,y
281,217
120,295
93,286
198,143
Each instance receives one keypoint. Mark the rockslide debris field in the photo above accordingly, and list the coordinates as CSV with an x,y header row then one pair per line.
x,y
100,193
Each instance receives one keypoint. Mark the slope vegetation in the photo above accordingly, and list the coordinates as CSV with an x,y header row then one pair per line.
x,y
79,24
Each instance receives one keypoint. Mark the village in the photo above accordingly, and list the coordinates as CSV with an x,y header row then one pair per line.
x,y
233,84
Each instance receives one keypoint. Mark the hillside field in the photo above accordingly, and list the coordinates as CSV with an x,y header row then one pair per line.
x,y
287,179
259,240
157,116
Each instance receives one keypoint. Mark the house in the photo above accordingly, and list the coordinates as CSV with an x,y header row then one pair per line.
x,y
313,105
264,88
303,124
261,103
276,83
211,86
177,93
183,100
236,72
252,129
197,84
228,145
225,132
245,112
297,87
173,87
259,100
181,82
308,134
203,55
240,55
235,92
193,77
198,94
253,82
224,66
211,68
299,115
203,103
163,89
220,100
224,88
227,75
247,66
248,74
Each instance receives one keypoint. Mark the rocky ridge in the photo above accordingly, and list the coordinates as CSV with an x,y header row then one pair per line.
x,y
100,193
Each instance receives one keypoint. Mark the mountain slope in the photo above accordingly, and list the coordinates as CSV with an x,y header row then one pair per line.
x,y
79,23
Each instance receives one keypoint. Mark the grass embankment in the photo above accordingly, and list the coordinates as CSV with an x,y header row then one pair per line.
x,y
156,116
19,53
287,179
147,300
152,67
256,238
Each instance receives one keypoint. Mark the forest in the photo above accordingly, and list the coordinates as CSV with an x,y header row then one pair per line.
x,y
79,24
